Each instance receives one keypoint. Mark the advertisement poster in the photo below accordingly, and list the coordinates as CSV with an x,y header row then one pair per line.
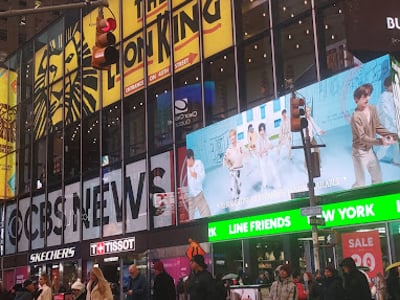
x,y
365,249
248,160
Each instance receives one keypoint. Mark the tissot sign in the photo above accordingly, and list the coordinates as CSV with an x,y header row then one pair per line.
x,y
376,209
373,25
112,247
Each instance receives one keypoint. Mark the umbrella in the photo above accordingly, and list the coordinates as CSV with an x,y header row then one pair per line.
x,y
393,265
229,276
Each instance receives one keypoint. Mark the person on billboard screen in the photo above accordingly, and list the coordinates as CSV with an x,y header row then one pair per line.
x,y
267,166
285,136
233,160
313,131
196,175
387,114
365,124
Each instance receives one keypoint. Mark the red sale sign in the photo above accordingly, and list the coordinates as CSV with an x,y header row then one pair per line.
x,y
365,249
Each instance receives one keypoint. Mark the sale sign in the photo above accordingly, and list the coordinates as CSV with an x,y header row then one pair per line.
x,y
365,249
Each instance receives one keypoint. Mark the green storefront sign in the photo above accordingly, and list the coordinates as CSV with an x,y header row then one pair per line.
x,y
375,209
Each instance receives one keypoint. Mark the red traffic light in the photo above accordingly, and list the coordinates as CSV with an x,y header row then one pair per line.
x,y
104,53
110,25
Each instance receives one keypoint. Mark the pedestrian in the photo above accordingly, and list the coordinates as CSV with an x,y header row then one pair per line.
x,y
311,287
301,292
283,288
78,290
201,284
332,287
393,284
44,291
28,290
356,285
98,288
137,287
164,287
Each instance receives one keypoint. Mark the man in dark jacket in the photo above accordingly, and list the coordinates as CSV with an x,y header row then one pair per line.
x,y
356,285
332,287
137,286
201,284
164,287
27,291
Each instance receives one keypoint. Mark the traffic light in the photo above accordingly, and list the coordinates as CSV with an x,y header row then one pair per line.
x,y
298,119
103,52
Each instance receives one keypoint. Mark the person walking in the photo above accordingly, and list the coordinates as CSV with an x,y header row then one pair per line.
x,y
98,287
137,287
164,287
332,286
78,290
44,291
283,288
201,284
27,291
356,285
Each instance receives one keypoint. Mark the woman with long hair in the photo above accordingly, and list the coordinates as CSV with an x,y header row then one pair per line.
x,y
98,287
44,292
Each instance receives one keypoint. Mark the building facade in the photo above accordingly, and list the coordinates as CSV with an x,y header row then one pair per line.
x,y
95,162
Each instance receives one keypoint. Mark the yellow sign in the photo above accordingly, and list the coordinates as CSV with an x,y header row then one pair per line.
x,y
217,26
158,53
134,64
8,98
186,36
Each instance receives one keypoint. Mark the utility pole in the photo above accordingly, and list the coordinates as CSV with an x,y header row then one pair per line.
x,y
39,10
299,123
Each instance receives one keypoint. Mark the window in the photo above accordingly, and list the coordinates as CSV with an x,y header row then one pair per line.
x,y
90,144
111,134
72,151
254,16
135,126
220,88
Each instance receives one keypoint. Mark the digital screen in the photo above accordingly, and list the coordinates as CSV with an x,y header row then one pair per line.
x,y
248,161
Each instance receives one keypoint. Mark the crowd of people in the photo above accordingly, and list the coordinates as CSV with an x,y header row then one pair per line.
x,y
285,284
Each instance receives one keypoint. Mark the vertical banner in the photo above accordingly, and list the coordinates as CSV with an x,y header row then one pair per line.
x,y
365,249
135,196
217,26
162,189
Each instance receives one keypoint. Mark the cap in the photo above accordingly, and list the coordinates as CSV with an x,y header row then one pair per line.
x,y
27,282
199,259
77,285
159,266
287,268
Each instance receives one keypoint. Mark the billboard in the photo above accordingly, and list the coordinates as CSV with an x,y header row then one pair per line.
x,y
248,160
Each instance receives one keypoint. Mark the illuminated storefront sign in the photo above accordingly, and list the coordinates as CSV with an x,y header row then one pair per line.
x,y
376,209
56,254
113,246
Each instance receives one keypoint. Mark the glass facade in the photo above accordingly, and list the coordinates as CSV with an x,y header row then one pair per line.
x,y
112,144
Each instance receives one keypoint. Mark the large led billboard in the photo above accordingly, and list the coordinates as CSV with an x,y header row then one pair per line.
x,y
246,161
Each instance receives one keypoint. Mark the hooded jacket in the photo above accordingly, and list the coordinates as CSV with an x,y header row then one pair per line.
x,y
356,285
283,289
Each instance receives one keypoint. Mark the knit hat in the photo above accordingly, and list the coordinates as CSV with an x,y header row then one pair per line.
x,y
77,285
199,259
287,268
158,266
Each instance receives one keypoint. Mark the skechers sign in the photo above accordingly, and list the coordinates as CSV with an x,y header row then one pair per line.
x,y
376,209
111,247
50,255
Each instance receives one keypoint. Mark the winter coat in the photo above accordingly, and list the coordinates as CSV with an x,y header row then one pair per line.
x,y
356,286
283,289
202,286
164,287
139,287
332,288
94,293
